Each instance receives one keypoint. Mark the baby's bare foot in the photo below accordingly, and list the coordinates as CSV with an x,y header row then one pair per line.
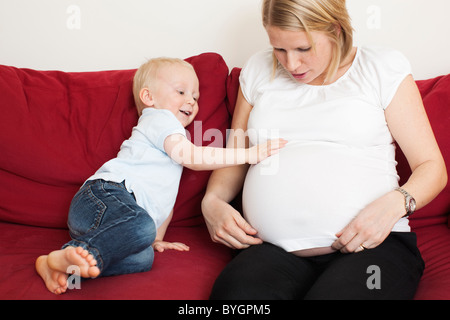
x,y
55,281
61,260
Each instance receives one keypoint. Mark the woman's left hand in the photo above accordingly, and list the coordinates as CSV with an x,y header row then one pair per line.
x,y
372,225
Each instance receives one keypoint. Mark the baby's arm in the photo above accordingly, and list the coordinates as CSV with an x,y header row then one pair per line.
x,y
184,152
160,245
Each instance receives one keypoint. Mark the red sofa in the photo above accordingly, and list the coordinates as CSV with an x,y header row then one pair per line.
x,y
57,128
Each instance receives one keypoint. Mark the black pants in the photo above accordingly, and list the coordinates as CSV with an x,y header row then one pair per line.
x,y
390,271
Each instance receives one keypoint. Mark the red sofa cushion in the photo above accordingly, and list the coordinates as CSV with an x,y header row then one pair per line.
x,y
433,242
174,275
58,128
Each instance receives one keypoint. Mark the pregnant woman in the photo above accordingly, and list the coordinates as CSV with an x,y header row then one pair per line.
x,y
330,209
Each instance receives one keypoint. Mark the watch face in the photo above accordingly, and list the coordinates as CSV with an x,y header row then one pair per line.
x,y
412,205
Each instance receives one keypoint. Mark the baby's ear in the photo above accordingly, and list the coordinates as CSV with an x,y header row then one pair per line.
x,y
146,97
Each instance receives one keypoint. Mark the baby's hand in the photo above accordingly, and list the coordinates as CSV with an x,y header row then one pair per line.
x,y
160,246
264,150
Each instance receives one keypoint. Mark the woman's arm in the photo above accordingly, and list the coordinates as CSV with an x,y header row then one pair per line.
x,y
225,224
410,127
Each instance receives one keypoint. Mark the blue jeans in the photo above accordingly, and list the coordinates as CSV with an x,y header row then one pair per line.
x,y
105,219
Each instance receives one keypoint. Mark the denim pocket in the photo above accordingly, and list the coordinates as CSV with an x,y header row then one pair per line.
x,y
86,211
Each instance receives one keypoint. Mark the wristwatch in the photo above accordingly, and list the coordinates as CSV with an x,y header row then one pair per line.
x,y
410,202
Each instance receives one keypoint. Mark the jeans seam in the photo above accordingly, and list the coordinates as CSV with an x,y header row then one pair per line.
x,y
101,205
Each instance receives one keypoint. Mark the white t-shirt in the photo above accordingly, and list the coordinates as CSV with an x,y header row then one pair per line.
x,y
340,155
148,171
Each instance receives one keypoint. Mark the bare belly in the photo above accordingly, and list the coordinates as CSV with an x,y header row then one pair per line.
x,y
313,252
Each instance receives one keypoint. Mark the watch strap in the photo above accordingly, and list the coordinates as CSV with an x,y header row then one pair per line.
x,y
408,199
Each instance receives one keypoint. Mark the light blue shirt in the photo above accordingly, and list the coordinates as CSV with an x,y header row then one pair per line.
x,y
148,171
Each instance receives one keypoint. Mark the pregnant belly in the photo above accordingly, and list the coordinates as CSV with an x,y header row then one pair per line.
x,y
300,198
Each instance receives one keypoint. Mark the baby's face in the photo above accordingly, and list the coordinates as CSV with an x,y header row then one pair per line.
x,y
177,90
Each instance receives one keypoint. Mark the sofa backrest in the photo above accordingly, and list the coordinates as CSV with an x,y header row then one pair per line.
x,y
436,97
58,128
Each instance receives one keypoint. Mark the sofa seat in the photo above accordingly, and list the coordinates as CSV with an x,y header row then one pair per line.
x,y
433,242
174,276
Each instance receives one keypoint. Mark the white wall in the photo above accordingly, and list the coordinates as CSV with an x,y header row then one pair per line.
x,y
87,35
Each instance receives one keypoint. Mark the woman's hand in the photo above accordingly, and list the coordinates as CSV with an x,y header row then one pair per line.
x,y
372,225
226,225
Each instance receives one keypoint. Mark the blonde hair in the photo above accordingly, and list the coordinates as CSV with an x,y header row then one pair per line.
x,y
328,16
147,73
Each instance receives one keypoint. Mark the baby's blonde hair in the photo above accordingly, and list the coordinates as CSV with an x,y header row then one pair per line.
x,y
328,16
146,74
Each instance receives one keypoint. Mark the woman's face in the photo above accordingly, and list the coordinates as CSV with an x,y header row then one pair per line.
x,y
297,55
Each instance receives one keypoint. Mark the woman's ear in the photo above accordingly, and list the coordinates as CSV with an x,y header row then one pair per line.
x,y
338,29
146,97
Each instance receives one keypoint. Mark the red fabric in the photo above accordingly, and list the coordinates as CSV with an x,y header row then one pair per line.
x,y
174,276
58,128
433,242
233,89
